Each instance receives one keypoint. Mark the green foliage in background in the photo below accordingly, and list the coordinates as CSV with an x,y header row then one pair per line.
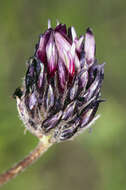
x,y
93,161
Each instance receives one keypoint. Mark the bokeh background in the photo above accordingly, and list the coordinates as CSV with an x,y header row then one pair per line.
x,y
93,161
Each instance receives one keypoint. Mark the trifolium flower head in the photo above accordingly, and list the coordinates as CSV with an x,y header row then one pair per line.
x,y
60,94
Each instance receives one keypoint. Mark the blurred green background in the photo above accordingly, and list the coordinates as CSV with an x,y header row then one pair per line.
x,y
93,161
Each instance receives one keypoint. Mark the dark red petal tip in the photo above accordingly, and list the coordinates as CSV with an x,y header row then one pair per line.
x,y
89,30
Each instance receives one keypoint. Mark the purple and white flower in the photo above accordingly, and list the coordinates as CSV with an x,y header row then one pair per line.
x,y
61,91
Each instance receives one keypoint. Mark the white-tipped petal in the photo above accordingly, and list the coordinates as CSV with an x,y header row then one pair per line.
x,y
57,22
61,42
51,53
73,50
89,47
74,34
49,23
79,43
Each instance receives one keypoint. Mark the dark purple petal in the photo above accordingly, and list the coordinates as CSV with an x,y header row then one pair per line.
x,y
68,133
74,89
41,76
69,34
68,112
83,79
61,28
30,76
41,47
95,86
89,114
51,122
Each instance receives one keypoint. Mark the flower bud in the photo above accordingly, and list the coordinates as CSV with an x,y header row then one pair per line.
x,y
60,94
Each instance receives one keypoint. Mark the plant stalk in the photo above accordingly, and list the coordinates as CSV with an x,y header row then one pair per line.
x,y
42,146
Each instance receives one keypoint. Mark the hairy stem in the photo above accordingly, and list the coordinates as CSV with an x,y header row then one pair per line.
x,y
43,145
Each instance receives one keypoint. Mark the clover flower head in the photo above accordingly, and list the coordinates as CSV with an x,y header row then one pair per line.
x,y
60,94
